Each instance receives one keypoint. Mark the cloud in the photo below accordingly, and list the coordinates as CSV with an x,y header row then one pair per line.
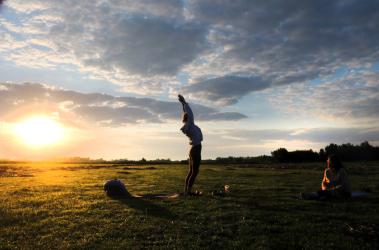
x,y
352,97
164,8
292,33
286,42
225,90
147,46
143,46
314,135
24,99
140,45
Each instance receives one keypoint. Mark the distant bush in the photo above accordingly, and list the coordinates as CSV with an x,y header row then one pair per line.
x,y
282,155
239,160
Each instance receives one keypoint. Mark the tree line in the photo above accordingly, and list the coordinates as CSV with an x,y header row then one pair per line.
x,y
346,152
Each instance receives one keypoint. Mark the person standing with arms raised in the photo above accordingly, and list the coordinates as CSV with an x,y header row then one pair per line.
x,y
195,136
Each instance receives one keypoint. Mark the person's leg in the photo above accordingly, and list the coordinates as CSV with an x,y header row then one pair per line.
x,y
196,160
190,172
319,195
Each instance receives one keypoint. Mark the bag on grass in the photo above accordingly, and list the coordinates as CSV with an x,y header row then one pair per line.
x,y
115,187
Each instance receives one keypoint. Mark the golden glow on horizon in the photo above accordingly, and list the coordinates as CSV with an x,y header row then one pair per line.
x,y
39,131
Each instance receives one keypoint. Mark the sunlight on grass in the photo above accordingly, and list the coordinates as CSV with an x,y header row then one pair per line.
x,y
45,205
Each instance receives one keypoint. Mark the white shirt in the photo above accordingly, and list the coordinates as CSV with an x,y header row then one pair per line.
x,y
190,129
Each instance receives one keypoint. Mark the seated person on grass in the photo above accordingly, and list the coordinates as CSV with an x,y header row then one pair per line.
x,y
335,183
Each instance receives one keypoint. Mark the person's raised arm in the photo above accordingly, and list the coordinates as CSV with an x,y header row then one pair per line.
x,y
186,109
182,101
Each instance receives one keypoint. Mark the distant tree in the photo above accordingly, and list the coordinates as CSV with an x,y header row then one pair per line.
x,y
331,149
322,155
280,155
350,152
303,156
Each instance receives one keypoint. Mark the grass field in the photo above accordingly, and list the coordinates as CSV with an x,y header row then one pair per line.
x,y
45,206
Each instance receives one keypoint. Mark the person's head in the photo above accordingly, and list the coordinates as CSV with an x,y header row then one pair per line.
x,y
334,162
185,117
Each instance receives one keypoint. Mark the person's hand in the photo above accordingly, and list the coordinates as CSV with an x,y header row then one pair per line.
x,y
181,99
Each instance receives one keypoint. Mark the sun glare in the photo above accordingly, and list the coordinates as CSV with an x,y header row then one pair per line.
x,y
39,131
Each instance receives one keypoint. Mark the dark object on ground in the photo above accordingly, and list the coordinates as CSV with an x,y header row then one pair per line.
x,y
116,187
123,172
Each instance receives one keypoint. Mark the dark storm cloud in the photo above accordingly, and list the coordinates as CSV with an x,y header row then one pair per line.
x,y
225,90
292,41
148,46
301,29
161,8
128,38
100,108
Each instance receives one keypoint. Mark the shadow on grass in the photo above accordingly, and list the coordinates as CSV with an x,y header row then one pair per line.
x,y
146,206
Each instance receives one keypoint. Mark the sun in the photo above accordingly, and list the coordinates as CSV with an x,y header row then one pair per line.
x,y
39,131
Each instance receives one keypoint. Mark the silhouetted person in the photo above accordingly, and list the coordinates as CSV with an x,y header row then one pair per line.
x,y
195,137
335,183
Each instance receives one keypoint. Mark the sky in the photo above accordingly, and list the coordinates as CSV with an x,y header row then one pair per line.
x,y
259,75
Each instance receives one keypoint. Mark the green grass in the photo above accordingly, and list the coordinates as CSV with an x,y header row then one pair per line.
x,y
63,206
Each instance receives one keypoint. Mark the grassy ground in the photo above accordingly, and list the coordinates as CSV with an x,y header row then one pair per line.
x,y
63,206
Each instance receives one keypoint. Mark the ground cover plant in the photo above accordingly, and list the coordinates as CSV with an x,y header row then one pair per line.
x,y
63,206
